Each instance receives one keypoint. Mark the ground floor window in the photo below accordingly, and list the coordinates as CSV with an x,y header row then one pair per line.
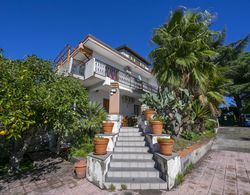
x,y
136,109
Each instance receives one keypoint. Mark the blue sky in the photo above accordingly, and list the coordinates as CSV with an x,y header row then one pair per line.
x,y
44,27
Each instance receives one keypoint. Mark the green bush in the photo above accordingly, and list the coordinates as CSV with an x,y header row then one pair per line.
x,y
191,135
81,150
34,100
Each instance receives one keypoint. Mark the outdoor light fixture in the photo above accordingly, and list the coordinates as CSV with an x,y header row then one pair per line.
x,y
112,91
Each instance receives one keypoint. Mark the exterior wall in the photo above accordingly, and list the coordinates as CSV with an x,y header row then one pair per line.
x,y
98,96
127,108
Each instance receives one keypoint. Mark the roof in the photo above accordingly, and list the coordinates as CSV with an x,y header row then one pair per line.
x,y
116,50
133,52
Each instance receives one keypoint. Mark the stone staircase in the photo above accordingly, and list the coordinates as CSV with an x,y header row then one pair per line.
x,y
132,164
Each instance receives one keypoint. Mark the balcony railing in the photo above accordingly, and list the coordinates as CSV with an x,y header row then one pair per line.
x,y
124,78
78,67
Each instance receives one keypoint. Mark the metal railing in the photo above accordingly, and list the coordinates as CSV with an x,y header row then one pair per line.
x,y
103,69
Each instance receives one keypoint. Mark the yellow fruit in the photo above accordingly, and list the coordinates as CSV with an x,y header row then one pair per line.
x,y
3,132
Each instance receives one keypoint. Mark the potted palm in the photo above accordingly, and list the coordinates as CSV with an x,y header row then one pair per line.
x,y
100,145
107,127
166,146
157,124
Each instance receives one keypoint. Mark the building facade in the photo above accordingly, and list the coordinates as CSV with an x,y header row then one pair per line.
x,y
115,78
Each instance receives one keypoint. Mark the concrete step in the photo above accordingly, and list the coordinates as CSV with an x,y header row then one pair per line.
x,y
136,183
132,155
131,149
130,138
133,172
135,134
134,163
129,129
130,143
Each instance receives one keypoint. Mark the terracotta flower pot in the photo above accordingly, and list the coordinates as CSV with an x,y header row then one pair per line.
x,y
156,127
166,146
100,146
149,113
80,168
107,127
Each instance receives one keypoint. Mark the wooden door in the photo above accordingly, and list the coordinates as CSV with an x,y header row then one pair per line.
x,y
106,104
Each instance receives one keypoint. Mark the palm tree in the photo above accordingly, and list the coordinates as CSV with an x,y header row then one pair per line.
x,y
185,56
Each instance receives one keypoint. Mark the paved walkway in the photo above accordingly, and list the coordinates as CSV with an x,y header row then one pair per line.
x,y
224,170
220,172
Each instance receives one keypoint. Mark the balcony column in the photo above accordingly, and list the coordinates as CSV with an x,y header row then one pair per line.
x,y
114,99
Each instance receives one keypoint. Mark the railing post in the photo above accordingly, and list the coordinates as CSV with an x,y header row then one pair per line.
x,y
70,65
68,57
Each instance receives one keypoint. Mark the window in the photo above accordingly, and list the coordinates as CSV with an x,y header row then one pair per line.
x,y
136,109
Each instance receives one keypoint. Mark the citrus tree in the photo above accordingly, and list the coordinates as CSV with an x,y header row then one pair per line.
x,y
33,99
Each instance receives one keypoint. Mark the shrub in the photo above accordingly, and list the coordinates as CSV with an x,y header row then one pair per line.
x,y
81,150
191,135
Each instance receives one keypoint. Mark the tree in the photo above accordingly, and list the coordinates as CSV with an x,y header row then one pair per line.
x,y
239,72
34,99
185,57
235,64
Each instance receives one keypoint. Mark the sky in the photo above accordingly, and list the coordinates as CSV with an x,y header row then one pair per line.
x,y
44,27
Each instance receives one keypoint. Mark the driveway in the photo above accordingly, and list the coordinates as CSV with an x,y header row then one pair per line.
x,y
233,139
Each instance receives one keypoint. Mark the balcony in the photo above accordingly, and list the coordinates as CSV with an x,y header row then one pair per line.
x,y
97,67
122,77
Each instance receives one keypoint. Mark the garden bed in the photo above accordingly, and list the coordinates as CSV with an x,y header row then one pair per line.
x,y
184,146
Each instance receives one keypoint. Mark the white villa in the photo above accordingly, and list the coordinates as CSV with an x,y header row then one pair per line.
x,y
100,66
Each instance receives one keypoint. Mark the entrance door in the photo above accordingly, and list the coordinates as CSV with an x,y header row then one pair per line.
x,y
106,104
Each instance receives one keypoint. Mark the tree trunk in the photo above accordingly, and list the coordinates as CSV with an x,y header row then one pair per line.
x,y
237,100
18,150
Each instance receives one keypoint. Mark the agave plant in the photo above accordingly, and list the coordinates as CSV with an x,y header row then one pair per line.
x,y
174,107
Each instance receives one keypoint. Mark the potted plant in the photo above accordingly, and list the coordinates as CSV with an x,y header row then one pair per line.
x,y
100,145
157,125
166,146
78,155
80,168
107,127
149,113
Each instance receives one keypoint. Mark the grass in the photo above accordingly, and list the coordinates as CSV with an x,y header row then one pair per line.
x,y
179,179
181,143
180,176
123,186
189,168
111,188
